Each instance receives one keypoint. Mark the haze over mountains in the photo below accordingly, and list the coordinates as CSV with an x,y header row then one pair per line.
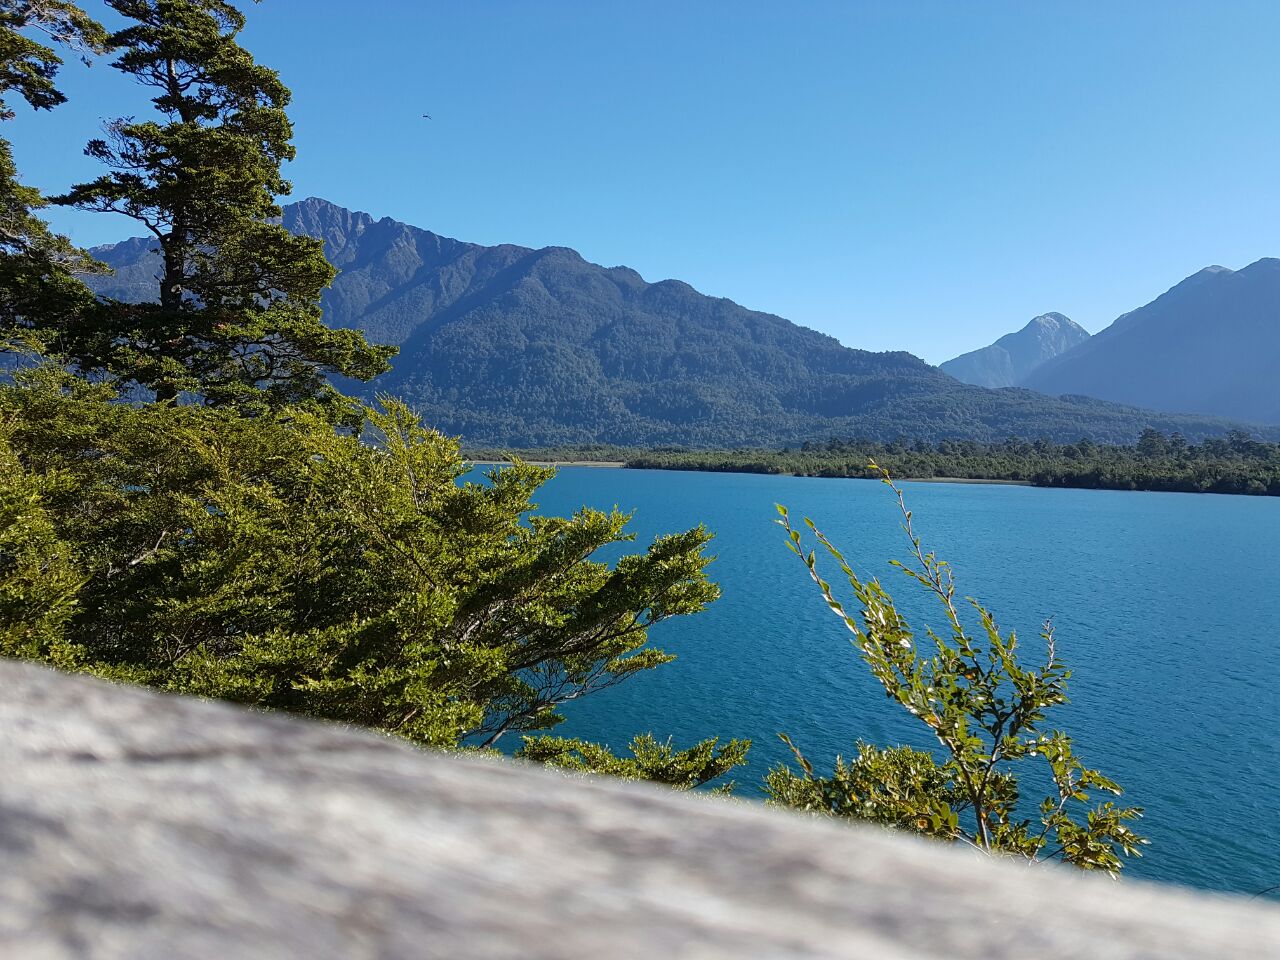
x,y
508,345
1009,360
1210,345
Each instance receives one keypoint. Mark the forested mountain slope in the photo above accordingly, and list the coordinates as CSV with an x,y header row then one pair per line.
x,y
508,345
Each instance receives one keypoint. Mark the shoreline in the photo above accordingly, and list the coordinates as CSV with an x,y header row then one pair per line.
x,y
1007,483
602,464
622,464
707,468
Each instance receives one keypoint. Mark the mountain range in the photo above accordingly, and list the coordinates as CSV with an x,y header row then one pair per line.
x,y
1210,345
1013,357
515,346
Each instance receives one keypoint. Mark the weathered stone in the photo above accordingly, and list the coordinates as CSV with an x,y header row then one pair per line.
x,y
134,825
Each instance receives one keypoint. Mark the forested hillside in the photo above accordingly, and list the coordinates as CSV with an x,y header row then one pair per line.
x,y
1232,464
508,345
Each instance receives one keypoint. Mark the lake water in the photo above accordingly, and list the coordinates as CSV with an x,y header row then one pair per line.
x,y
1167,608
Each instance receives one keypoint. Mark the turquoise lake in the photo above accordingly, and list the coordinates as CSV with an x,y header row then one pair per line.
x,y
1167,609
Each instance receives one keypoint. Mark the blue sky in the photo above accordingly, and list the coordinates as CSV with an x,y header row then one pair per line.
x,y
902,175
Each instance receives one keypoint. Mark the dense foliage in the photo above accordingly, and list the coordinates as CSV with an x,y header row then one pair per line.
x,y
986,710
510,346
650,759
237,317
1236,463
278,562
186,502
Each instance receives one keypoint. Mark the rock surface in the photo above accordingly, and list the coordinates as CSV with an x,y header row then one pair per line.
x,y
135,825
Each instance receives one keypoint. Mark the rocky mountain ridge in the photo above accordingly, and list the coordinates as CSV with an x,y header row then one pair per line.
x,y
513,346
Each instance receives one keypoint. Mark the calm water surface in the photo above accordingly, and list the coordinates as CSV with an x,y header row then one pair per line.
x,y
1167,609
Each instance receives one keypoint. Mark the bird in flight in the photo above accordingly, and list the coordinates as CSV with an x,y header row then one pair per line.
x,y
426,116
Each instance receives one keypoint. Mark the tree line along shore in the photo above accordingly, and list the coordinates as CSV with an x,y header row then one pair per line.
x,y
1235,463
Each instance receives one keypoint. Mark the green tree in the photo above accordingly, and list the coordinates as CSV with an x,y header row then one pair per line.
x,y
29,66
895,787
38,582
651,759
252,546
1152,443
281,563
238,320
36,265
987,712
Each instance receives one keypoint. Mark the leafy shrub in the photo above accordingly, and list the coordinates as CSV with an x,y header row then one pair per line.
x,y
988,714
283,563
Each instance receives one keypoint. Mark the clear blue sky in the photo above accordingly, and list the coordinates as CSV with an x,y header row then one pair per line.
x,y
903,175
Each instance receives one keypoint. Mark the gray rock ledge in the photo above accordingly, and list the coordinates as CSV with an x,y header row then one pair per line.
x,y
135,825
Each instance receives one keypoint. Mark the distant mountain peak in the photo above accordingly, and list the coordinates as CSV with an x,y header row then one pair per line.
x,y
318,207
1010,359
1051,320
1209,274
1266,264
1210,345
321,203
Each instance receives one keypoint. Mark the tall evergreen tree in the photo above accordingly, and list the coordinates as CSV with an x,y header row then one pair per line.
x,y
36,265
238,320
29,66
